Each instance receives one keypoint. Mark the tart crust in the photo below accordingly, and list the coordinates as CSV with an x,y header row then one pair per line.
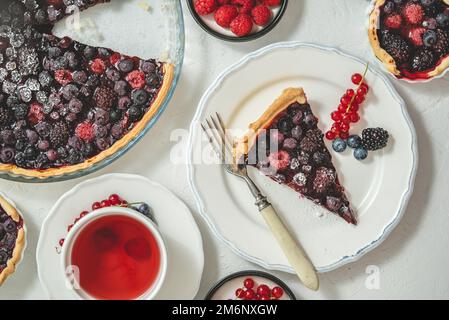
x,y
119,144
20,241
384,56
288,96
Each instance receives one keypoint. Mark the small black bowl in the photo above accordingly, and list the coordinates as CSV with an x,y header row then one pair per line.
x,y
249,37
250,273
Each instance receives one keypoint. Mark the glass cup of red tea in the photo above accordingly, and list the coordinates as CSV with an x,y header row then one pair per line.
x,y
114,253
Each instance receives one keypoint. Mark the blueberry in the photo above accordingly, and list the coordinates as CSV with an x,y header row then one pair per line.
x,y
126,65
88,150
310,120
152,79
139,97
389,7
284,125
75,105
427,2
443,20
30,152
398,1
79,77
115,116
354,141
360,153
290,143
297,132
144,209
89,52
135,113
121,87
339,145
430,38
148,66
32,136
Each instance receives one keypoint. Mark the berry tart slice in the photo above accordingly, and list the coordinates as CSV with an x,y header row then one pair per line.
x,y
286,145
12,239
66,106
411,37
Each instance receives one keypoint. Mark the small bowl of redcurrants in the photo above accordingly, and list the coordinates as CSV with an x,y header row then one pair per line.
x,y
250,285
237,20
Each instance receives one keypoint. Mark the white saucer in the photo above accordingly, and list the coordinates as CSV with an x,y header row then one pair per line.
x,y
177,226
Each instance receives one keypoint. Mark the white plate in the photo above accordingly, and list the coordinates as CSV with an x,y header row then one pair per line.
x,y
177,226
378,188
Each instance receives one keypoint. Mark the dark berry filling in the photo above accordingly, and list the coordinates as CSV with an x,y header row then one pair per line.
x,y
8,235
291,151
415,33
62,102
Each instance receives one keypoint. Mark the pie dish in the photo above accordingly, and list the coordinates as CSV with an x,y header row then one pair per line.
x,y
286,145
411,38
66,106
12,239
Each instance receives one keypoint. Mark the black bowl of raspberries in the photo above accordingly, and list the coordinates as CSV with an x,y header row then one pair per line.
x,y
237,20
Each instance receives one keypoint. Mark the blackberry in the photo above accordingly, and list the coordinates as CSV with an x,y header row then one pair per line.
x,y
20,111
105,97
5,116
422,60
374,138
59,134
442,45
396,46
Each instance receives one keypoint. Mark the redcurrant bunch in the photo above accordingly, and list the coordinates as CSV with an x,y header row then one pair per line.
x,y
348,109
261,292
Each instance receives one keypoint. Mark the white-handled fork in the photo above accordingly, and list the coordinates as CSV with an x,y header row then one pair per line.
x,y
215,130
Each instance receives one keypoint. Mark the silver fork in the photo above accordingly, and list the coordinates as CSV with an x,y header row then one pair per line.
x,y
222,144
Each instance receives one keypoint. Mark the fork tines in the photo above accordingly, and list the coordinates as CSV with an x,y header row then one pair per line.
x,y
215,131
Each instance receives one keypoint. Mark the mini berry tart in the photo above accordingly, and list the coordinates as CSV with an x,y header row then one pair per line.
x,y
66,106
286,145
411,37
12,239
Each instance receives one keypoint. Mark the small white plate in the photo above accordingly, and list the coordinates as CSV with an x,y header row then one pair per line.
x,y
378,188
177,226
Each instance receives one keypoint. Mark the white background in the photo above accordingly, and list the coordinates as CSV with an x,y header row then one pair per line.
x,y
413,261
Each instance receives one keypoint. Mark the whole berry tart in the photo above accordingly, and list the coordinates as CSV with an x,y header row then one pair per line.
x,y
286,145
411,37
64,105
12,239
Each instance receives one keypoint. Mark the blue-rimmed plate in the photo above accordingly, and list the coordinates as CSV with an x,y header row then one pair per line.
x,y
378,188
133,27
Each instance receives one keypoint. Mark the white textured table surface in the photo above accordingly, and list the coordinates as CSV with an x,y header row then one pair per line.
x,y
412,262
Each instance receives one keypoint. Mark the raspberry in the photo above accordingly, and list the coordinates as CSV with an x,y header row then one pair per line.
x,y
136,79
35,114
85,131
205,7
272,3
393,21
261,15
242,25
98,66
114,58
223,2
415,35
413,13
279,160
245,5
225,14
63,76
